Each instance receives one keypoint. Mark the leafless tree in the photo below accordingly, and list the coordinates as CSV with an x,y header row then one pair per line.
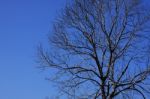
x,y
99,49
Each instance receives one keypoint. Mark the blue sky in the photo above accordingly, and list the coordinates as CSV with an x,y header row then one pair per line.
x,y
23,24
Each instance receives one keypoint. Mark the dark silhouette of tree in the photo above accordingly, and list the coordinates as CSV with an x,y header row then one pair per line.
x,y
100,50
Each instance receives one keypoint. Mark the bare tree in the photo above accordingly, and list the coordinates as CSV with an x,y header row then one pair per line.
x,y
100,50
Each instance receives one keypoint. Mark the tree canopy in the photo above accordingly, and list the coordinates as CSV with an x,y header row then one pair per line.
x,y
99,49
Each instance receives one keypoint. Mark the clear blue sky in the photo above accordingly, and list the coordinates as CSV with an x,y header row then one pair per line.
x,y
23,24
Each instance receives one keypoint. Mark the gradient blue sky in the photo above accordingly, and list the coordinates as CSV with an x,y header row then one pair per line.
x,y
23,24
